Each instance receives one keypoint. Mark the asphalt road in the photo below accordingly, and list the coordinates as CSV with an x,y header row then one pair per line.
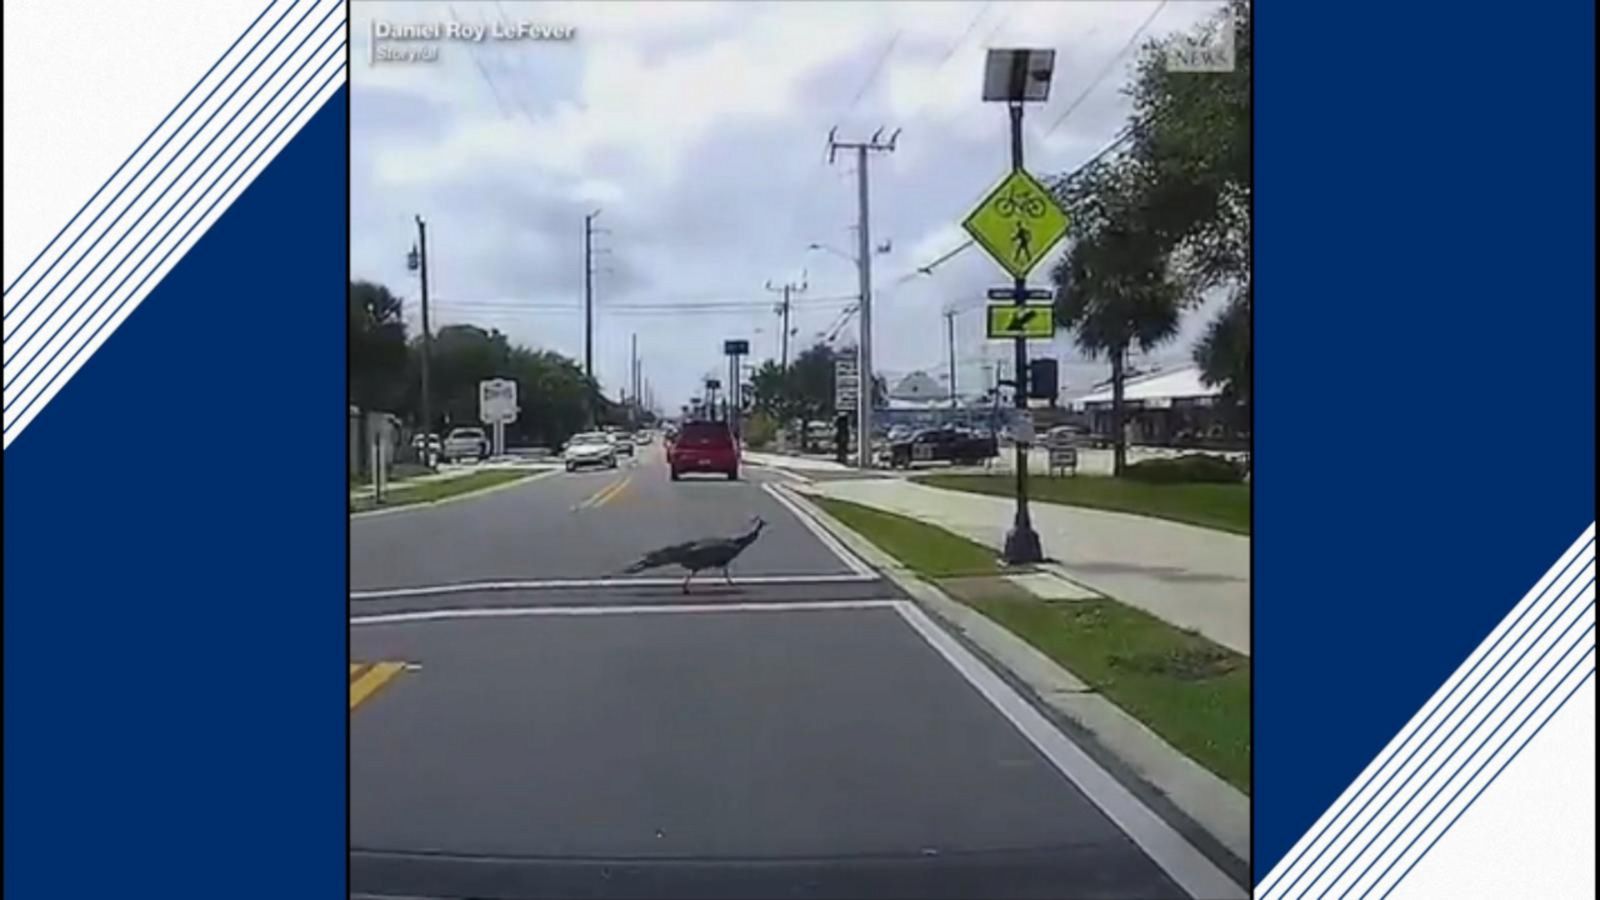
x,y
570,735
586,524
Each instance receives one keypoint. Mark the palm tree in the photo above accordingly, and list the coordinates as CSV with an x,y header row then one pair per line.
x,y
1115,288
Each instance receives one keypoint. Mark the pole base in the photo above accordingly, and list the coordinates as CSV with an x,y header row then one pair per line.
x,y
1022,546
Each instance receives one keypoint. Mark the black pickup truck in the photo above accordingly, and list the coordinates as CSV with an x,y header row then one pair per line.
x,y
956,445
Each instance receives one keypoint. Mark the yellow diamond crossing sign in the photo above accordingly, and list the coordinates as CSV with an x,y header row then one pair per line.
x,y
1017,223
1036,320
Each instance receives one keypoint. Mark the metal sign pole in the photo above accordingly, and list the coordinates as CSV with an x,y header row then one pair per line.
x,y
1022,542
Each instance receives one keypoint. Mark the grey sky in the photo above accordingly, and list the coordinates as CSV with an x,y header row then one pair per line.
x,y
699,130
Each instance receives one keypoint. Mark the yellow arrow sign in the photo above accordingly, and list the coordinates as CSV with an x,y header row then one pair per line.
x,y
1036,320
1017,223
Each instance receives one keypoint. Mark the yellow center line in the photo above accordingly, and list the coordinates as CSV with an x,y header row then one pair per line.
x,y
622,488
373,678
605,493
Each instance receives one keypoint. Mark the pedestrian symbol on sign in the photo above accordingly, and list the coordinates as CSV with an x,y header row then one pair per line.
x,y
1020,239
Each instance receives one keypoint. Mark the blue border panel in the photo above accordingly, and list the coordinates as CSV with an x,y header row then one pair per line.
x,y
1425,365
175,622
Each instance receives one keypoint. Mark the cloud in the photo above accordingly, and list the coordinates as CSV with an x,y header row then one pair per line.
x,y
700,130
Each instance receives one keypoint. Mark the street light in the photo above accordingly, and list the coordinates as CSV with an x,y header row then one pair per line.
x,y
838,253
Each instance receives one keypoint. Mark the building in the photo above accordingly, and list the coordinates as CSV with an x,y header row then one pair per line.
x,y
1165,409
919,387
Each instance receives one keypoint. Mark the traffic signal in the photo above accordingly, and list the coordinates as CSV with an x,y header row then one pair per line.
x,y
1043,383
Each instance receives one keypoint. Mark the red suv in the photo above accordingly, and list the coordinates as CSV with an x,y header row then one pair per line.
x,y
704,447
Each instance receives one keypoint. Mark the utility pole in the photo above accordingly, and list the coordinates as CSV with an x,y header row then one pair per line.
x,y
864,264
418,260
950,341
588,293
633,373
787,289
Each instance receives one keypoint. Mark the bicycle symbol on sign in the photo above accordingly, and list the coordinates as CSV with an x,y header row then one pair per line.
x,y
1020,199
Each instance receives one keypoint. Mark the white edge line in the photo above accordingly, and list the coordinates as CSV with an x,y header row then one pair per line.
x,y
1190,869
854,562
556,584
506,612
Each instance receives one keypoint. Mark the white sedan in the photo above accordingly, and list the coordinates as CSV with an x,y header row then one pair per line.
x,y
592,448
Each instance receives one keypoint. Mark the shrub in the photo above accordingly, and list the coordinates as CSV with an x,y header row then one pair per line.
x,y
1190,467
759,430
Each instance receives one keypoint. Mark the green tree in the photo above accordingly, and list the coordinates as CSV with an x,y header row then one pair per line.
x,y
377,348
811,386
1114,287
1224,356
1190,138
771,390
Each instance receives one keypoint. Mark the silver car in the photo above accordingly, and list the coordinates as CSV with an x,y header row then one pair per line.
x,y
465,443
591,448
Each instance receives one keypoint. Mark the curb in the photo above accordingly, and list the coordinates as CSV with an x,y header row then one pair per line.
x,y
417,507
1216,807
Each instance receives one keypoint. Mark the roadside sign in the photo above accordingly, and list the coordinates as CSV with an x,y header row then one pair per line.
x,y
1035,320
1022,429
1063,442
846,382
497,401
1010,293
736,348
1017,223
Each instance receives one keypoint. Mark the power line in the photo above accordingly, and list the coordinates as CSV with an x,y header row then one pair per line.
x,y
1084,94
1119,140
1127,132
483,71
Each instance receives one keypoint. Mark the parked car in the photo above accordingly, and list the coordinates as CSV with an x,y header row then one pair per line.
x,y
465,443
949,444
704,447
591,448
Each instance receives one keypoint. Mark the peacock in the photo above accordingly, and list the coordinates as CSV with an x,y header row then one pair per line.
x,y
696,556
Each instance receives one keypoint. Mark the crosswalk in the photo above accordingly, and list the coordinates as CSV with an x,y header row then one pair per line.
x,y
367,679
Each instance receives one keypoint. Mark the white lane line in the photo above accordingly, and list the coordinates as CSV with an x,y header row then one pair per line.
x,y
509,612
853,562
559,583
1161,842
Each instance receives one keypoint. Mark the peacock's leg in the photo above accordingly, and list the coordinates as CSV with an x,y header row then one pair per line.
x,y
686,581
725,576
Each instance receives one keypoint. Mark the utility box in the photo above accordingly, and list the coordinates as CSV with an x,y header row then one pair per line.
x,y
1044,380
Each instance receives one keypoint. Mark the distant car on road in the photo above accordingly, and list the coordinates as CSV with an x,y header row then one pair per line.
x,y
591,448
465,443
948,444
704,447
623,442
643,438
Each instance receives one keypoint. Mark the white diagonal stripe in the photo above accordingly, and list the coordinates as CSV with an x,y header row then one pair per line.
x,y
189,171
1369,838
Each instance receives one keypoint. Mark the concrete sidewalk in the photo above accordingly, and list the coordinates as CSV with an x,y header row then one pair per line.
x,y
795,463
1189,576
